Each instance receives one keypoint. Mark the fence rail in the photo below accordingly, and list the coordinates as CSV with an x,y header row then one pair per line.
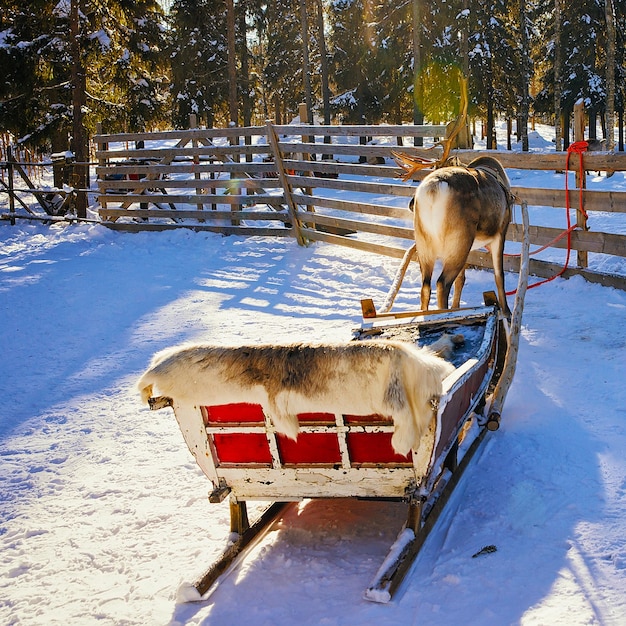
x,y
338,184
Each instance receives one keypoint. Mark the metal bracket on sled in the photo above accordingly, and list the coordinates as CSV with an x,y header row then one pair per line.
x,y
219,493
160,402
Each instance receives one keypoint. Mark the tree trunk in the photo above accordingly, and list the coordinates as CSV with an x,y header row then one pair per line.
x,y
526,73
79,140
418,115
245,72
323,63
491,129
324,73
233,109
306,68
610,73
593,123
59,145
566,129
245,77
558,114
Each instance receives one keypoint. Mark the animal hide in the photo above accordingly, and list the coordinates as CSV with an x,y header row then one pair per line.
x,y
388,378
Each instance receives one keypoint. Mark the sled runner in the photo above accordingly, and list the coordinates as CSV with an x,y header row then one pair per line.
x,y
339,455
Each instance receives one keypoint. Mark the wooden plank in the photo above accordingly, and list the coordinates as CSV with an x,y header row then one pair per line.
x,y
284,179
547,269
379,188
354,207
164,198
252,184
245,231
588,240
344,168
350,167
383,589
206,151
365,246
607,201
593,161
510,362
187,167
185,134
355,130
345,149
206,214
354,225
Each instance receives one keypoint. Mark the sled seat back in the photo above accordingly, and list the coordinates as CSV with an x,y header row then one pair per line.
x,y
240,434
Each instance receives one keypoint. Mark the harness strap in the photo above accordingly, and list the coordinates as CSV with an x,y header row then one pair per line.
x,y
510,198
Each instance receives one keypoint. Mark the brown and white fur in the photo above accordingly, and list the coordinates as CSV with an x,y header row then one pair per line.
x,y
458,209
389,378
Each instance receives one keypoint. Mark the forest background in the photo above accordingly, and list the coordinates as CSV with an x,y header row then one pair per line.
x,y
140,65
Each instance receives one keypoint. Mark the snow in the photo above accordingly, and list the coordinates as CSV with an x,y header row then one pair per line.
x,y
104,515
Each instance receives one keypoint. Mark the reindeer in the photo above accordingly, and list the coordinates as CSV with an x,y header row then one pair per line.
x,y
458,209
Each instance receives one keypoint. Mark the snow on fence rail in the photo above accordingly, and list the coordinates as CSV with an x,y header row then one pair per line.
x,y
337,184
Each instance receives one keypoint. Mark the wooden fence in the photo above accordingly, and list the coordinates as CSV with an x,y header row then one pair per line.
x,y
337,184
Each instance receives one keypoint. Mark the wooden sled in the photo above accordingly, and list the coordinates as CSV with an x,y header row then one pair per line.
x,y
339,456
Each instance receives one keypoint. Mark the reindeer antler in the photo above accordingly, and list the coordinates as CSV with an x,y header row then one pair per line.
x,y
413,164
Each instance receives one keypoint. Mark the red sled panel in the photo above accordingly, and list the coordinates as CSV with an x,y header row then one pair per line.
x,y
310,449
374,449
233,414
249,448
317,449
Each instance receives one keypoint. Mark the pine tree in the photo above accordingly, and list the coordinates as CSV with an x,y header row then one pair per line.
x,y
120,44
283,61
199,58
124,44
35,91
582,69
494,61
393,62
354,43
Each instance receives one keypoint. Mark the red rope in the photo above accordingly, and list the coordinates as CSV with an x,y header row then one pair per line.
x,y
578,147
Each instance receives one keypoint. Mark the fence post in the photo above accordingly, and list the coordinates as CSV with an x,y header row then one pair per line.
x,y
280,166
582,258
11,189
306,156
235,188
102,162
193,124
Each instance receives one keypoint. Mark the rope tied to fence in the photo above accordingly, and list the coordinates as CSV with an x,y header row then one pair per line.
x,y
579,148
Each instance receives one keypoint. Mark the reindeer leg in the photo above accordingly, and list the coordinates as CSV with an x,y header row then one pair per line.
x,y
427,276
458,289
453,272
497,257
427,265
443,291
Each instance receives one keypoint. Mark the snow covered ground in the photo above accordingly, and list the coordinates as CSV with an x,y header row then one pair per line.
x,y
103,512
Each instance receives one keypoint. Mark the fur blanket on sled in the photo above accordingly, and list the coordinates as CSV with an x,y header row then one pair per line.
x,y
388,378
